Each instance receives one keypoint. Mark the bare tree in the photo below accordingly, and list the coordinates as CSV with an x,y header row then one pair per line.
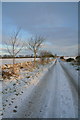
x,y
14,45
34,45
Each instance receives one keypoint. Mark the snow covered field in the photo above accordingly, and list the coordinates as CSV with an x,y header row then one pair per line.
x,y
46,92
65,57
9,61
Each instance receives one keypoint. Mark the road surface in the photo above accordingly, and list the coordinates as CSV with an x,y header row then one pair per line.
x,y
55,96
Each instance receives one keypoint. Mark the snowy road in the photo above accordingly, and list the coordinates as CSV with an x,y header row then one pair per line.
x,y
55,96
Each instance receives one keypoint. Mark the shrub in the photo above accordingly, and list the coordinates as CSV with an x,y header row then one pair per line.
x,y
45,56
69,59
6,74
62,57
78,59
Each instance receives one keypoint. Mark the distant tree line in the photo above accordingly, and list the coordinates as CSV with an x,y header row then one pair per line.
x,y
19,56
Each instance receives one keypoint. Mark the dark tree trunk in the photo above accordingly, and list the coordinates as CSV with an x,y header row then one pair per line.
x,y
13,63
34,58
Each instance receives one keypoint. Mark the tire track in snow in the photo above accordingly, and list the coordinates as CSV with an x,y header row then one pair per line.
x,y
51,98
38,101
63,104
73,84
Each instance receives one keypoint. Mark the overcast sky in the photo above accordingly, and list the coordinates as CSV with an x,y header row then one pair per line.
x,y
58,22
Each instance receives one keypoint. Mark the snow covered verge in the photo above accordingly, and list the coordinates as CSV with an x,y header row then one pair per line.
x,y
70,69
74,74
17,88
0,99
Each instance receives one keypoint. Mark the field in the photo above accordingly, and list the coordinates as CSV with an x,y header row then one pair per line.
x,y
9,61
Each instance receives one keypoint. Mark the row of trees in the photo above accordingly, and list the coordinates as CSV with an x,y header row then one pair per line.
x,y
19,56
14,46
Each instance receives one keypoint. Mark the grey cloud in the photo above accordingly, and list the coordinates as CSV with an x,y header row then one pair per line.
x,y
58,22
